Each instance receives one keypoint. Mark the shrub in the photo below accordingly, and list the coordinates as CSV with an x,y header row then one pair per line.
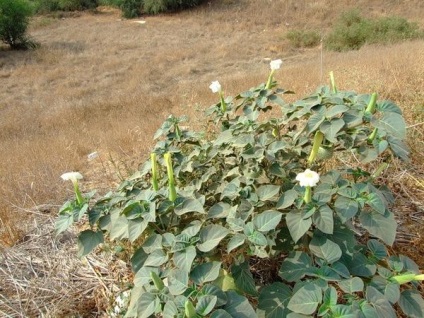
x,y
14,19
131,8
134,8
252,219
303,38
393,29
45,6
352,31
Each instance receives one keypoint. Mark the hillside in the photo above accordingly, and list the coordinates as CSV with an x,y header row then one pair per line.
x,y
102,84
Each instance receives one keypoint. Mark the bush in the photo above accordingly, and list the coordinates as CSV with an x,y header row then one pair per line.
x,y
134,8
352,31
254,219
303,38
131,8
14,19
45,6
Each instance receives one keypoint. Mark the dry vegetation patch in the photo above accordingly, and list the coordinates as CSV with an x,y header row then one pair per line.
x,y
100,83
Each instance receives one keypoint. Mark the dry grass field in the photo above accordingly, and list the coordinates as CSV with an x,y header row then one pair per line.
x,y
100,83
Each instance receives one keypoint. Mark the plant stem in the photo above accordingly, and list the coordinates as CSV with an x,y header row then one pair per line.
x,y
154,171
269,82
372,136
333,83
78,194
308,195
223,104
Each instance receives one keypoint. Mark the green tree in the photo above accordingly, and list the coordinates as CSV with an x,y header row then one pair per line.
x,y
14,19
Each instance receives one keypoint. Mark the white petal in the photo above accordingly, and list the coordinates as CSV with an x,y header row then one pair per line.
x,y
71,176
215,87
276,64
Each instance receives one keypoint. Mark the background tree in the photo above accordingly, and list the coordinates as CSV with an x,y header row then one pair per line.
x,y
14,19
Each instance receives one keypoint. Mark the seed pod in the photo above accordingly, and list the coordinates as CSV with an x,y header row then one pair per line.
x,y
157,281
171,181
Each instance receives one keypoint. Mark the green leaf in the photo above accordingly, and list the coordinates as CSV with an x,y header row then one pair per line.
x,y
306,299
329,301
287,199
244,278
360,265
210,236
206,272
238,306
267,221
323,219
88,240
189,205
219,210
343,311
345,208
183,259
225,281
210,289
382,306
295,267
336,110
273,299
136,228
381,226
352,285
170,310
331,128
388,106
235,241
142,277
221,313
156,258
392,123
254,236
267,192
412,303
63,222
391,291
377,249
193,228
297,225
376,202
147,304
399,148
205,304
325,249
177,281
316,120
152,243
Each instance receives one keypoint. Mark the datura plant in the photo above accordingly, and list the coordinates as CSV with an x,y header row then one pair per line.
x,y
264,218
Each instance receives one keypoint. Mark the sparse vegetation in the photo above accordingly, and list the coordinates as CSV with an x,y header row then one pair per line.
x,y
109,86
303,38
353,30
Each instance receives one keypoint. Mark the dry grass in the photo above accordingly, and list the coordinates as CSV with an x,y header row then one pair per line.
x,y
99,83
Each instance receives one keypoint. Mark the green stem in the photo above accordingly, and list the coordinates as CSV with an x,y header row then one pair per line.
x,y
223,104
78,194
333,83
318,138
372,136
154,171
308,195
269,82
371,105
